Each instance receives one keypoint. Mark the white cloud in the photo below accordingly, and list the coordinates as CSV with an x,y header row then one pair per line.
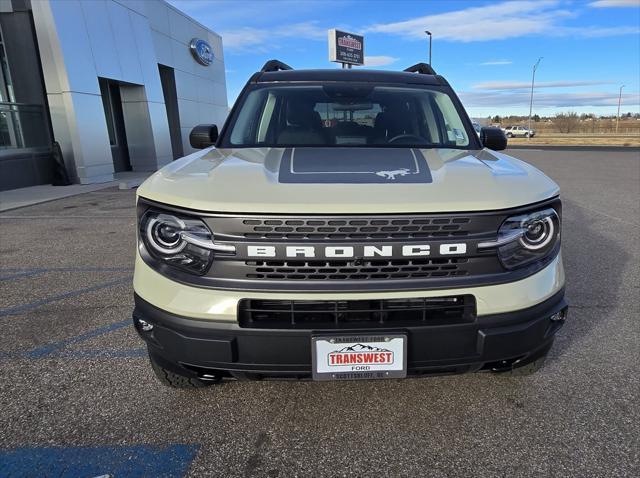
x,y
493,22
380,60
496,62
257,39
595,32
517,85
474,99
614,3
497,22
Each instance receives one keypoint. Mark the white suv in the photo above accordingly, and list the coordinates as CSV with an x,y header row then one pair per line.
x,y
519,131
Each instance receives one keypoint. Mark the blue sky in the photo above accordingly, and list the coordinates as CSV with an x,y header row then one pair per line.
x,y
486,49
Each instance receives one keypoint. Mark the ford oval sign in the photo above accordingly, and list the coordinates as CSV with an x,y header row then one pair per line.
x,y
201,51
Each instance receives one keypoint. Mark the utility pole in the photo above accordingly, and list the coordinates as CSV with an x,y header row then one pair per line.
x,y
533,79
430,37
619,101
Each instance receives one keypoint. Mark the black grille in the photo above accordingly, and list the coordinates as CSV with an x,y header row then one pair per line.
x,y
356,270
354,228
318,314
323,272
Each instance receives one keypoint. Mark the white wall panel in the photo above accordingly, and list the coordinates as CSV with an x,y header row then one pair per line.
x,y
158,15
160,128
101,39
205,90
89,137
162,47
125,43
215,71
76,58
189,114
182,59
138,6
220,94
186,85
146,57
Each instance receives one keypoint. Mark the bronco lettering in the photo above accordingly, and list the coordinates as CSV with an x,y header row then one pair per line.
x,y
362,251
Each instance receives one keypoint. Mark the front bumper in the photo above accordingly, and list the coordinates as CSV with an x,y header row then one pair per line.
x,y
491,342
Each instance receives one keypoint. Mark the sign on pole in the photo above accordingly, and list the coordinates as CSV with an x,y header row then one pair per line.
x,y
346,48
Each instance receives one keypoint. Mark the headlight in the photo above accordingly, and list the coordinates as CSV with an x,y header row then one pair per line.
x,y
526,238
182,242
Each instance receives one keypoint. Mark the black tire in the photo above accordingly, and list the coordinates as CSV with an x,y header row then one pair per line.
x,y
509,135
526,135
175,380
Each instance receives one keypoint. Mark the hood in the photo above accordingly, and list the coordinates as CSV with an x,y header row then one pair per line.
x,y
347,180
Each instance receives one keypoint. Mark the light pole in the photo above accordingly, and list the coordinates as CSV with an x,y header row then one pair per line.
x,y
430,37
619,101
533,79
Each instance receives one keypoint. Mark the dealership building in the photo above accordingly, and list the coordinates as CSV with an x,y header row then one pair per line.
x,y
118,84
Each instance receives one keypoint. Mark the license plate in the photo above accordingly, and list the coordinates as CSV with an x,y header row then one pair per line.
x,y
359,357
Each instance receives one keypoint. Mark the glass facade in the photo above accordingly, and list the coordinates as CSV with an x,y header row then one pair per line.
x,y
22,125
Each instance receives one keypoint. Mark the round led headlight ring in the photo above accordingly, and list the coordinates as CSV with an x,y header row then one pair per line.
x,y
538,233
164,234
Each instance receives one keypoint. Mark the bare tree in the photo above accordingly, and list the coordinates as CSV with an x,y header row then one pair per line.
x,y
567,122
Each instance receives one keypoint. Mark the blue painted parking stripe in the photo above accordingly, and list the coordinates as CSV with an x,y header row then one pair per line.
x,y
33,305
170,461
90,269
128,353
78,354
41,270
55,346
19,275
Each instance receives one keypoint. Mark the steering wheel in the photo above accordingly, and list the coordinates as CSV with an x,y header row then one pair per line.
x,y
402,137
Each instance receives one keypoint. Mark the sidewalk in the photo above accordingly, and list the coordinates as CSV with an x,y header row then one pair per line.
x,y
15,198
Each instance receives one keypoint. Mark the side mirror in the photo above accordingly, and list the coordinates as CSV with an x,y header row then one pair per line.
x,y
493,138
203,136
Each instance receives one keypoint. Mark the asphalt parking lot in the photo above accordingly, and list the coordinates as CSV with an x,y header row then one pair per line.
x,y
78,397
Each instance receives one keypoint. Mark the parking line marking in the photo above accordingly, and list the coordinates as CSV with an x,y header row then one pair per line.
x,y
130,353
38,303
20,275
48,349
61,218
169,461
80,354
67,269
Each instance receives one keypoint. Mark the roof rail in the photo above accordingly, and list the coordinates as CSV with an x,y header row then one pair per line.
x,y
422,68
275,65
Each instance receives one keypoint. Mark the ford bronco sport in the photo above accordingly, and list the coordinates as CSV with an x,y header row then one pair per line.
x,y
347,224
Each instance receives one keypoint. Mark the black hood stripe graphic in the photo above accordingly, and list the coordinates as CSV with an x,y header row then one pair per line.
x,y
354,166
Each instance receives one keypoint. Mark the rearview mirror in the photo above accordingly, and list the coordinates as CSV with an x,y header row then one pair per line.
x,y
203,136
493,138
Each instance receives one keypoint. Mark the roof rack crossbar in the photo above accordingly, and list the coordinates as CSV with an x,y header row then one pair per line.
x,y
275,65
421,68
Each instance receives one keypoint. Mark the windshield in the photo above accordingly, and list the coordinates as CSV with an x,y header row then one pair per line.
x,y
346,114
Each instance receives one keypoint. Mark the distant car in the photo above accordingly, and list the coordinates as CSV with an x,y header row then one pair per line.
x,y
519,132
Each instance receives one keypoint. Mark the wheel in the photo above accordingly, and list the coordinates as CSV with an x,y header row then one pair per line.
x,y
526,135
175,380
509,135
